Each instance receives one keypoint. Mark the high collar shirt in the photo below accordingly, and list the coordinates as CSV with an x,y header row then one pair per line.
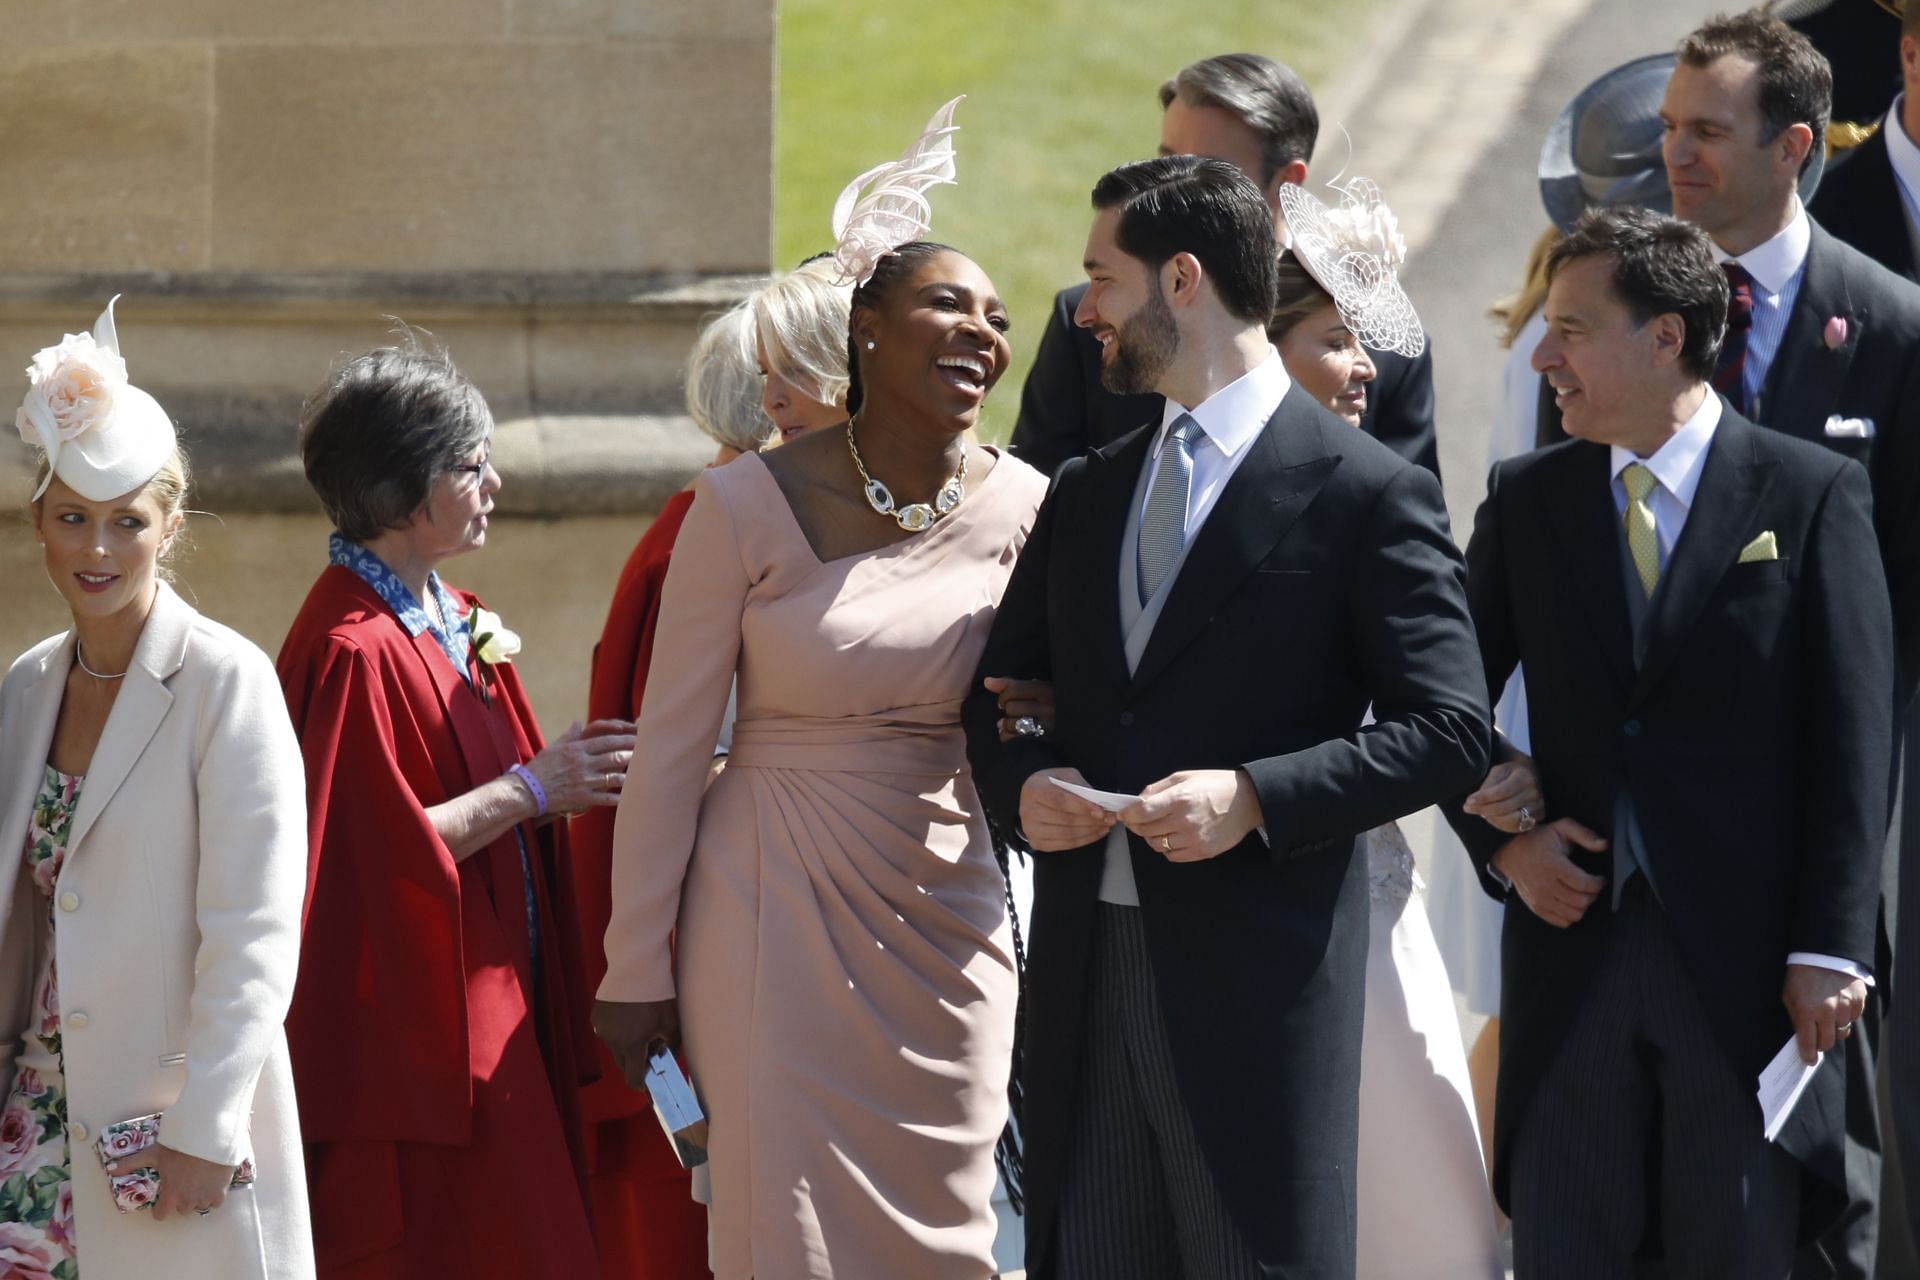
x,y
1777,267
1905,155
453,639
1230,419
1677,465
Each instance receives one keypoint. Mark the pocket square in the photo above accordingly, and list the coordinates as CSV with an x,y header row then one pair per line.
x,y
1840,428
1763,547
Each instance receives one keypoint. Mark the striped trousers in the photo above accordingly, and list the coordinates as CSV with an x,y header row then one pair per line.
x,y
1139,1201
1642,1102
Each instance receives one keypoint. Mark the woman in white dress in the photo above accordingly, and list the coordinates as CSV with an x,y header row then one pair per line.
x,y
1423,1209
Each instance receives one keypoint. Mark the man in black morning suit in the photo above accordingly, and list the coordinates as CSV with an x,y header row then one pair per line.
x,y
1868,199
1217,597
1254,113
1708,650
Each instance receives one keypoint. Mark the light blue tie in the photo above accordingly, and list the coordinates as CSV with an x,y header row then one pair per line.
x,y
1163,530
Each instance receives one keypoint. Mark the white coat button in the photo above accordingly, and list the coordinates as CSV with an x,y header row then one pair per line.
x,y
78,1019
69,901
77,1131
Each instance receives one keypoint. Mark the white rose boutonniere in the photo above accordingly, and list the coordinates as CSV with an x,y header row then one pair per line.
x,y
491,639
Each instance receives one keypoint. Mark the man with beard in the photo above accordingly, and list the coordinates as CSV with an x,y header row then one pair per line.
x,y
1256,114
1218,598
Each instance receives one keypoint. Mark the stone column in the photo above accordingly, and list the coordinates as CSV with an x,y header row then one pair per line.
x,y
559,190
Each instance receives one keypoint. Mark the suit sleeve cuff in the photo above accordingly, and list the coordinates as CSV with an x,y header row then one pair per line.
x,y
1835,963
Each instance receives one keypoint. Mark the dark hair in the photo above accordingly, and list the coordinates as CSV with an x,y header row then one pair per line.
x,y
1262,94
382,428
1208,208
1661,265
889,271
1299,295
1796,81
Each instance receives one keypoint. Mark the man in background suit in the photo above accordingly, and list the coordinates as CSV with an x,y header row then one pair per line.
x,y
1871,198
1217,598
1704,625
1256,114
1821,345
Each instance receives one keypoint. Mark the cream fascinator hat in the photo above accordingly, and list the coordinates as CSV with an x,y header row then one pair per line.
x,y
102,436
1354,250
893,209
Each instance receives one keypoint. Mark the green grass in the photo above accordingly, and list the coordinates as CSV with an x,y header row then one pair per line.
x,y
1059,91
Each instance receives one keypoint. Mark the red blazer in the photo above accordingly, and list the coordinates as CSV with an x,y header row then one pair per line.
x,y
618,682
415,969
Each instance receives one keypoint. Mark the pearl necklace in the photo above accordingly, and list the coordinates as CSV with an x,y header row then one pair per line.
x,y
81,658
915,517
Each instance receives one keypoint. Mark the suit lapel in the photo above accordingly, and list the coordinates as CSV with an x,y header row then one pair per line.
x,y
1113,474
1804,384
1883,218
1285,467
33,738
1580,512
1733,481
139,708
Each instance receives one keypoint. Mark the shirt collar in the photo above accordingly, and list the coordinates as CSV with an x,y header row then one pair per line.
x,y
1901,150
407,609
1774,263
1235,414
1677,463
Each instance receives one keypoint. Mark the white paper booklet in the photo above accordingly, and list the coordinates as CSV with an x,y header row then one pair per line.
x,y
1111,801
1781,1085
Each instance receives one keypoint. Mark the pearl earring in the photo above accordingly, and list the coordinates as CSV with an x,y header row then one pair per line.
x,y
869,344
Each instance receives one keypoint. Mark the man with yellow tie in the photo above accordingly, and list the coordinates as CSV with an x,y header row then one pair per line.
x,y
1701,613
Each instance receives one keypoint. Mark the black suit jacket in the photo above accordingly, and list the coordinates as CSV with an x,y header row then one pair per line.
x,y
1875,375
1323,581
1859,202
1064,411
1754,737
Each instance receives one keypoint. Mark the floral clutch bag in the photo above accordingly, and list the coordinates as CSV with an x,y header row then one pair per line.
x,y
138,1188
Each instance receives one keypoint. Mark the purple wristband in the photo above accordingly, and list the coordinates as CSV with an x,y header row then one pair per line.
x,y
525,775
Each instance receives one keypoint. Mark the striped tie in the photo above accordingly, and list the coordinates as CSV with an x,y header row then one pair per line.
x,y
1643,535
1730,375
1163,530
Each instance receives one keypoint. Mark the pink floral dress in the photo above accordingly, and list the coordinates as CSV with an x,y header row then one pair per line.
x,y
36,1192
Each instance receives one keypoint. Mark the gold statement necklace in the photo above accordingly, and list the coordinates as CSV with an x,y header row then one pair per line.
x,y
915,517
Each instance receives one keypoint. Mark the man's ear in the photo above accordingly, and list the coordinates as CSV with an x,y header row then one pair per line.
x,y
1180,279
1669,333
1795,141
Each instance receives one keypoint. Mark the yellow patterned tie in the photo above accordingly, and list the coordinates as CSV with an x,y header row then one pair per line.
x,y
1643,535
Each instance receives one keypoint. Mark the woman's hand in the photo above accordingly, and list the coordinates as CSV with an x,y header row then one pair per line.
x,y
585,767
633,1031
186,1182
1510,798
1022,699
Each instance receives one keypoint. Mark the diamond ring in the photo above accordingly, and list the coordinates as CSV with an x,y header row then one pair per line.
x,y
1028,727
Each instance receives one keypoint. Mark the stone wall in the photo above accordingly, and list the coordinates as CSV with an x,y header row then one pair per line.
x,y
559,190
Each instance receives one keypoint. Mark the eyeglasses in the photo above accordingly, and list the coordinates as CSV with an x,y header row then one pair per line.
x,y
474,469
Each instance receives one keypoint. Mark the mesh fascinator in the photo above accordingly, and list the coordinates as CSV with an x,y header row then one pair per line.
x,y
1354,250
101,435
893,209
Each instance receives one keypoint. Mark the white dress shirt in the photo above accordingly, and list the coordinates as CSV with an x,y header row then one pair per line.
x,y
1230,418
1905,155
1677,465
1777,267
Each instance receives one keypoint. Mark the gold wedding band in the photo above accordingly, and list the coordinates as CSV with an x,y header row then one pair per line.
x,y
1166,844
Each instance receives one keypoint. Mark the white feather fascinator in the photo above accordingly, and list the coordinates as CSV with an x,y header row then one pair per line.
x,y
1354,249
894,209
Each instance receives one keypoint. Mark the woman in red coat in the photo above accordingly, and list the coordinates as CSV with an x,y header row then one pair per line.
x,y
438,1030
777,361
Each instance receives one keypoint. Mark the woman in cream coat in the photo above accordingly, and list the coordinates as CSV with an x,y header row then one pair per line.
x,y
152,807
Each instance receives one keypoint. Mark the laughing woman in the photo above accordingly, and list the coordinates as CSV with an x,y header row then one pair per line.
x,y
150,931
439,1027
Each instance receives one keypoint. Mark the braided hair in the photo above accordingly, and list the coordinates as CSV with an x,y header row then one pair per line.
x,y
890,270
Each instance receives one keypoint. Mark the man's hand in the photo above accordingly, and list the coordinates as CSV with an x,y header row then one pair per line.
x,y
632,1031
1052,820
1195,814
1824,1004
1542,872
1022,699
1510,799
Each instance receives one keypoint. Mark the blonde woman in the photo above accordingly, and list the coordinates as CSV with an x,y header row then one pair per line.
x,y
150,936
800,336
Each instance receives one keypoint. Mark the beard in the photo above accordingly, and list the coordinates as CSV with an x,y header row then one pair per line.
x,y
1142,348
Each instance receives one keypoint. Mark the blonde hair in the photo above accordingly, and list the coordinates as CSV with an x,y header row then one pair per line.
x,y
801,321
1298,297
1514,311
723,382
